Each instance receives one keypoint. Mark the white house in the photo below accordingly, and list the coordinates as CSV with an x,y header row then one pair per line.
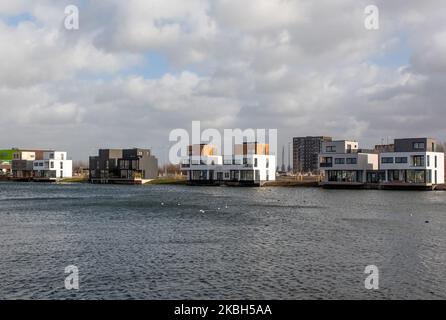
x,y
343,163
54,165
251,164
414,162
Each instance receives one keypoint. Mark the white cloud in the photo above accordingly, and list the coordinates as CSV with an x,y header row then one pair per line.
x,y
305,67
12,7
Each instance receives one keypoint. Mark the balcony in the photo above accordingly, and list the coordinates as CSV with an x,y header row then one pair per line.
x,y
326,165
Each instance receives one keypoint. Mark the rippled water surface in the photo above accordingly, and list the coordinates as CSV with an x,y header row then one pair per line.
x,y
169,242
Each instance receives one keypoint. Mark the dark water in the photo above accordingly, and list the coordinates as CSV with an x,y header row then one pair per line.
x,y
264,243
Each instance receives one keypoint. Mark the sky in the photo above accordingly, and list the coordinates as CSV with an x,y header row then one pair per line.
x,y
137,69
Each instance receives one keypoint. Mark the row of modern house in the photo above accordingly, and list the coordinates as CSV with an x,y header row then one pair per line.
x,y
111,165
26,164
249,164
123,166
415,162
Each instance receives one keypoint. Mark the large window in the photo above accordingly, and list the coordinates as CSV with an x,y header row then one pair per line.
x,y
330,149
344,176
326,162
247,175
199,175
418,176
395,175
418,161
419,145
339,161
352,160
387,160
376,176
401,160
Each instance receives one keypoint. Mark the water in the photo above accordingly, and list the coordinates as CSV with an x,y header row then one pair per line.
x,y
259,243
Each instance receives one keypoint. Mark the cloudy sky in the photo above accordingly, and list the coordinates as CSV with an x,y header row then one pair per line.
x,y
137,69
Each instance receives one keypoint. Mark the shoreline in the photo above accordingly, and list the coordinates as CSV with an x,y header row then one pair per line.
x,y
286,183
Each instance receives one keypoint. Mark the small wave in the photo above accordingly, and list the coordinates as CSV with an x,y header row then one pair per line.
x,y
42,198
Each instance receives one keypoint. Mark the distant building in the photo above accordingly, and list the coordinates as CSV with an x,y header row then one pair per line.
x,y
283,168
343,163
306,153
54,165
40,165
123,166
23,163
414,162
251,164
6,157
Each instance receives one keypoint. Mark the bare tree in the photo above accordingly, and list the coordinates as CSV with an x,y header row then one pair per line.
x,y
80,168
170,170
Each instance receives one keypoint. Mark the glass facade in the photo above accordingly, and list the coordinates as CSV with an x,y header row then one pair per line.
x,y
410,176
418,161
419,176
344,176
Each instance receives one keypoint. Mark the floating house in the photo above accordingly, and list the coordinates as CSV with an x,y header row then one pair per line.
x,y
344,164
411,163
125,166
53,166
249,165
414,163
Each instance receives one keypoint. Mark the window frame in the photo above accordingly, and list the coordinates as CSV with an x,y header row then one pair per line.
x,y
387,160
419,145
